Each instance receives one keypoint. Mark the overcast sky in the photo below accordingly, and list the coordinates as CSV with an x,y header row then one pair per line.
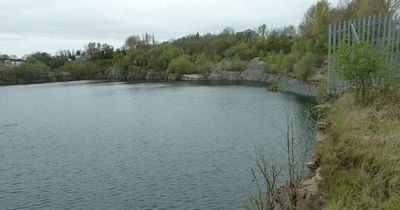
x,y
28,26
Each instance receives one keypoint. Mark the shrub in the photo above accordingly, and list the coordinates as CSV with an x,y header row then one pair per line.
x,y
274,61
360,64
135,72
303,68
8,74
180,65
201,64
238,64
79,70
288,62
33,71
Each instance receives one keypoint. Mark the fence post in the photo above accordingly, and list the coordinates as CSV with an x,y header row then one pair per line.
x,y
380,30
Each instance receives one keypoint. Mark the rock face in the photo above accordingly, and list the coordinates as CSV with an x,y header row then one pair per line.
x,y
292,85
192,77
154,76
257,71
225,76
307,194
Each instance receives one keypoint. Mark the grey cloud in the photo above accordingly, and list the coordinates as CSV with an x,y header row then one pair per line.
x,y
49,25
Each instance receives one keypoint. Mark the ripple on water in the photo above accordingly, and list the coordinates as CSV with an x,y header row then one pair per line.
x,y
83,145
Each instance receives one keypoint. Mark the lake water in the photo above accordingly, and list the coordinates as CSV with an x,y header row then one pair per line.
x,y
97,145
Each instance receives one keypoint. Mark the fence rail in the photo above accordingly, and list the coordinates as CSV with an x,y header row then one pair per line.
x,y
382,30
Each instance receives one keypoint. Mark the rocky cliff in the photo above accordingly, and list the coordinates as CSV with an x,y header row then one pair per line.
x,y
258,71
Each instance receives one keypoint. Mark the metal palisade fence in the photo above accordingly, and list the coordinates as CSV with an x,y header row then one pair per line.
x,y
382,30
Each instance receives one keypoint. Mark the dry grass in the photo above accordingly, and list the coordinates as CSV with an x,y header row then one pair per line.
x,y
360,162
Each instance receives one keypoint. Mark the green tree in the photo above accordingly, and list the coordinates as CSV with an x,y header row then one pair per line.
x,y
180,65
238,64
33,71
360,64
315,25
201,63
304,67
80,70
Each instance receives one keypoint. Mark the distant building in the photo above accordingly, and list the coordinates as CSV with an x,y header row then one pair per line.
x,y
10,60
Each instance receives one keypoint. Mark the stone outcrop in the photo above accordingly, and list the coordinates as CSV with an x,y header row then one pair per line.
x,y
225,76
293,85
257,71
192,77
307,194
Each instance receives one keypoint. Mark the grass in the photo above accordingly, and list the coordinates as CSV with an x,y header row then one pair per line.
x,y
360,161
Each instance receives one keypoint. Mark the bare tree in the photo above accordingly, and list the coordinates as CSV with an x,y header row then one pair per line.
x,y
269,194
132,42
267,185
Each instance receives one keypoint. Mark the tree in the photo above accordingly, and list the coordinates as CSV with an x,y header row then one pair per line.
x,y
181,65
33,70
262,31
41,57
96,51
360,64
315,25
304,67
132,42
201,63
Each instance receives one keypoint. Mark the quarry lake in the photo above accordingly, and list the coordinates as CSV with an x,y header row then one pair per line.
x,y
115,145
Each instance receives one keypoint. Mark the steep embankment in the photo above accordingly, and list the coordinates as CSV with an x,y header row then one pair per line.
x,y
256,71
357,160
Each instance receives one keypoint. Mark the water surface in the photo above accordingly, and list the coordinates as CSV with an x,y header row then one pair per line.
x,y
95,145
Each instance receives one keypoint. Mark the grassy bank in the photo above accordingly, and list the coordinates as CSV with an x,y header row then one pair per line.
x,y
360,159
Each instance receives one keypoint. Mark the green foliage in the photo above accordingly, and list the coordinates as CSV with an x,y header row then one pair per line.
x,y
181,65
201,63
360,64
242,50
273,85
274,61
8,74
238,64
135,73
359,156
97,51
33,71
79,70
304,67
41,57
288,62
286,50
315,25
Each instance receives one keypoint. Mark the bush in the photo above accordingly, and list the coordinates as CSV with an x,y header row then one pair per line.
x,y
79,70
201,64
33,71
180,65
274,61
8,74
360,64
288,63
303,68
238,64
241,49
135,73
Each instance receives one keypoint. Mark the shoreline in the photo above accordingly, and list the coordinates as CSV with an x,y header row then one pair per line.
x,y
286,84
